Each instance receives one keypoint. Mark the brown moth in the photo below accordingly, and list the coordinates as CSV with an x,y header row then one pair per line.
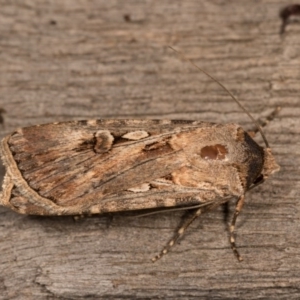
x,y
99,166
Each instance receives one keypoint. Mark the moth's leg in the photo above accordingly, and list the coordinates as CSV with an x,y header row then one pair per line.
x,y
260,180
2,110
226,210
238,208
195,214
109,218
80,217
266,121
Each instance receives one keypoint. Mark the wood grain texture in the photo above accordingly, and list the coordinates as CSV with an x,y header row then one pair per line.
x,y
71,60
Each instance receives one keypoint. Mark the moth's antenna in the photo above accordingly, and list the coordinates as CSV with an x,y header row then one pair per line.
x,y
229,93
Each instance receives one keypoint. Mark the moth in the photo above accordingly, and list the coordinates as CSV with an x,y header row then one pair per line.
x,y
100,166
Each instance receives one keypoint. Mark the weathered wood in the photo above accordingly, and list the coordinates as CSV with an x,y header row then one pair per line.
x,y
64,60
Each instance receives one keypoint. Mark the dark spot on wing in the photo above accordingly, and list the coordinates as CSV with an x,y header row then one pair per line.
x,y
214,152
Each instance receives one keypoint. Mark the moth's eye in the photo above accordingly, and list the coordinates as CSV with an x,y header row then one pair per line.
x,y
214,152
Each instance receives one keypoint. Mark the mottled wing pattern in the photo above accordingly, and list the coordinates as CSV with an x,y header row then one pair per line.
x,y
112,165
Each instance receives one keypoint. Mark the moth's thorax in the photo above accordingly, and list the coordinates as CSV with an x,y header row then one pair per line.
x,y
220,155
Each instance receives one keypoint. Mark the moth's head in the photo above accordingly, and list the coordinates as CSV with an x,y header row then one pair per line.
x,y
260,162
270,166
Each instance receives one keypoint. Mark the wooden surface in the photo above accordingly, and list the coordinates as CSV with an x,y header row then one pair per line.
x,y
63,60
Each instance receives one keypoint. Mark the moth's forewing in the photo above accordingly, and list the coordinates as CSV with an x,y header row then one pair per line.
x,y
115,165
